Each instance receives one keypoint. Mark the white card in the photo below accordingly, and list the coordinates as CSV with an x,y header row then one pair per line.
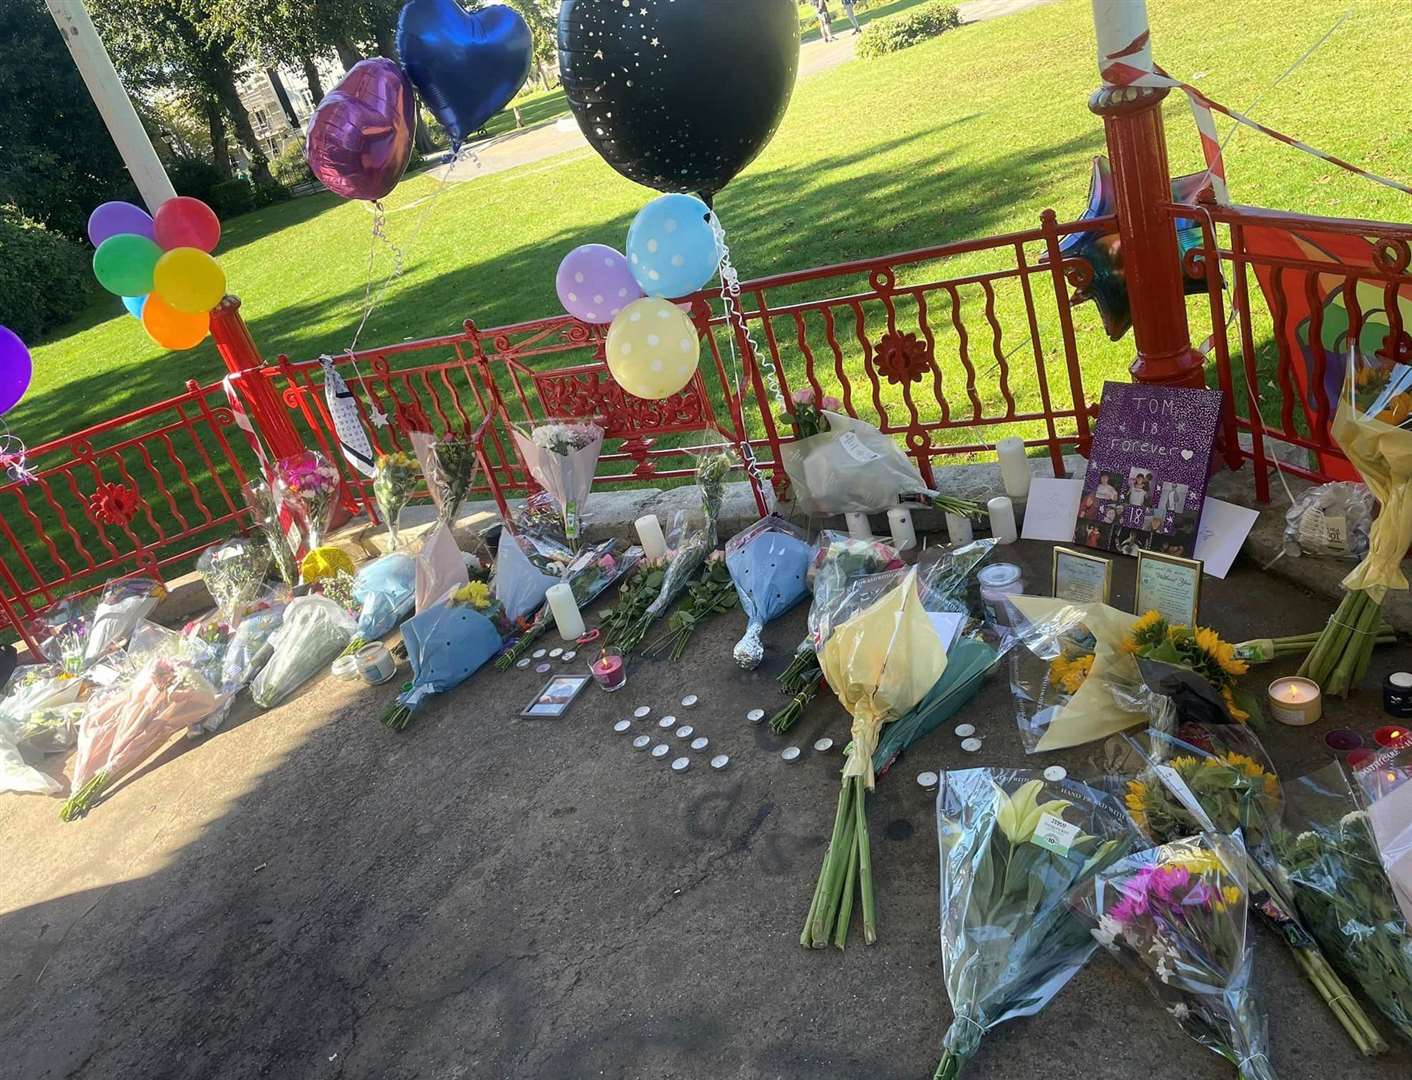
x,y
1055,834
1052,510
1224,527
948,626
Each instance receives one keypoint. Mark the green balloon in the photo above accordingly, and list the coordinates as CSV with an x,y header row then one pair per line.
x,y
123,264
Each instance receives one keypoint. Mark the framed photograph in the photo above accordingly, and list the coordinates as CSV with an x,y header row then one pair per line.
x,y
1081,578
1169,584
554,700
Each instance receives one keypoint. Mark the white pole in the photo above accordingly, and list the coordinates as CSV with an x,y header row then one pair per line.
x,y
108,94
1123,34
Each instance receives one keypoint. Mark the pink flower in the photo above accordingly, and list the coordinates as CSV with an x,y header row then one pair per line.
x,y
803,397
831,404
1167,882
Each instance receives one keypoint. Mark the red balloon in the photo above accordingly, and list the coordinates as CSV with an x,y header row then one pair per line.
x,y
186,222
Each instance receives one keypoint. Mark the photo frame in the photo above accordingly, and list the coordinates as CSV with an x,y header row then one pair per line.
x,y
1171,585
1080,577
554,700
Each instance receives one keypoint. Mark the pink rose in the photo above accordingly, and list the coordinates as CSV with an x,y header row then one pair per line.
x,y
831,404
803,397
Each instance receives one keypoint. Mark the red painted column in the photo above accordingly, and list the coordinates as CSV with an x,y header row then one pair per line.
x,y
1137,151
241,354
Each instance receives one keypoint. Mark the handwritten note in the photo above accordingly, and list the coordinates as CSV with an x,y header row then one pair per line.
x,y
1174,589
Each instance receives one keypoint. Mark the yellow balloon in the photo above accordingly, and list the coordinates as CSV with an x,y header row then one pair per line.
x,y
189,280
653,349
173,329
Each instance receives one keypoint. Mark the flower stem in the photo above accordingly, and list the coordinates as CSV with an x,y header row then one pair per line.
x,y
845,908
84,798
865,864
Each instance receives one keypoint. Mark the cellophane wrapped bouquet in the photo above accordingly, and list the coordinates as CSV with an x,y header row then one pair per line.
x,y
1326,855
383,593
264,504
1385,784
1014,849
562,458
395,476
234,573
160,694
649,592
37,708
446,645
122,605
454,463
1176,916
519,583
1218,778
62,632
314,631
714,463
768,562
307,486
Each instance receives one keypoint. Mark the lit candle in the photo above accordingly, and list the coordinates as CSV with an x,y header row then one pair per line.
x,y
1295,701
1002,520
958,529
1014,469
566,612
649,535
899,520
1394,735
609,671
858,526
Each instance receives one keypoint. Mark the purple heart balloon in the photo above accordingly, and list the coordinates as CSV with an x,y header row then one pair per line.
x,y
360,136
595,282
116,218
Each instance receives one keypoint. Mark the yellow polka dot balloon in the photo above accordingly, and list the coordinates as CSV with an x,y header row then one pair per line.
x,y
653,349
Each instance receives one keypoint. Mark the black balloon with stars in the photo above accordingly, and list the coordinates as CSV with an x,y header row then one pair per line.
x,y
679,95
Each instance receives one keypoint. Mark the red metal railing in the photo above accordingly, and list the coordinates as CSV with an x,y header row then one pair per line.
x,y
137,493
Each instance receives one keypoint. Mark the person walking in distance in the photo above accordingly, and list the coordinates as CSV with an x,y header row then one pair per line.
x,y
848,10
825,22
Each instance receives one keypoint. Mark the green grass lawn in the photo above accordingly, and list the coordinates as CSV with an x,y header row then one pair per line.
x,y
972,134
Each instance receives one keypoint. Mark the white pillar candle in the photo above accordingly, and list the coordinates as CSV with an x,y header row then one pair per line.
x,y
1014,468
899,520
566,612
1002,520
858,526
649,535
958,529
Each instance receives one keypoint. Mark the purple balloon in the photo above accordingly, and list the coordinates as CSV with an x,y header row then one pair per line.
x,y
360,136
595,282
15,369
116,218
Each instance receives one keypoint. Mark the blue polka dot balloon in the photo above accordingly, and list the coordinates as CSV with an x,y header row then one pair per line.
x,y
671,248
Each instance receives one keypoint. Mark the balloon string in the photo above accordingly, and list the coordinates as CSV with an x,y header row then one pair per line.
x,y
730,299
13,456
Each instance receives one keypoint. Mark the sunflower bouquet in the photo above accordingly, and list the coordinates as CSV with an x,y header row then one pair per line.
x,y
1199,650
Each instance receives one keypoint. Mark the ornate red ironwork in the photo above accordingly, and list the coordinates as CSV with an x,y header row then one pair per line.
x,y
591,392
902,358
114,504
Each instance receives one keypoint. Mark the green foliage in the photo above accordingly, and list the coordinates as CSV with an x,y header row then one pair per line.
x,y
44,277
290,166
195,177
232,197
899,31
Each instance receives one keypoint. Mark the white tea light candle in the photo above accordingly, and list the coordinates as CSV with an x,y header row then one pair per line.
x,y
858,526
566,612
899,520
649,535
1014,469
958,529
1002,520
1295,701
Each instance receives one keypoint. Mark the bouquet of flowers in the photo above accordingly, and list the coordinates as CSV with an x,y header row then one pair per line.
x,y
589,575
307,487
713,464
32,710
1195,649
63,632
441,567
446,645
123,604
122,728
265,505
808,415
1073,681
454,463
637,593
520,586
1176,916
687,548
383,593
1387,793
562,458
767,562
314,631
246,653
50,730
1374,431
20,777
394,481
712,594
1222,781
234,573
880,663
1325,855
1014,849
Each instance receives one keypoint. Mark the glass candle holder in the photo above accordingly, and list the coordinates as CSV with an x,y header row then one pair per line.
x,y
610,671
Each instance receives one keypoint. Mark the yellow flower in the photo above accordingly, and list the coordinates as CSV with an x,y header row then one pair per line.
x,y
325,562
1238,714
1069,675
399,459
1231,897
1136,802
1222,653
1018,815
475,594
1149,630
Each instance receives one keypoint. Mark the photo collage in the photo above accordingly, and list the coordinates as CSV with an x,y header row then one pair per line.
x,y
1138,511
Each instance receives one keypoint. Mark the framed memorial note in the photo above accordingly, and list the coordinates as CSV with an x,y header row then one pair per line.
x,y
1081,578
1170,585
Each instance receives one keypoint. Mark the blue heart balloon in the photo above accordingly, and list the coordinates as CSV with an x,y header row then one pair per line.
x,y
466,65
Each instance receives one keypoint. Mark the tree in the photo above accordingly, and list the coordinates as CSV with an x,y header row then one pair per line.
x,y
58,161
294,32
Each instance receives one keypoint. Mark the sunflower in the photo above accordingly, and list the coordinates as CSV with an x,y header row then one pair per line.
x,y
1249,767
1222,653
1147,632
1238,714
1069,674
1136,802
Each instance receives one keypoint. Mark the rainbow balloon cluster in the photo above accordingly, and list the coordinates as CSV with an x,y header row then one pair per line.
x,y
161,266
653,348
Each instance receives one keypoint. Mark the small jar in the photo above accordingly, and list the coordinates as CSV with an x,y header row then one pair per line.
x,y
997,582
610,671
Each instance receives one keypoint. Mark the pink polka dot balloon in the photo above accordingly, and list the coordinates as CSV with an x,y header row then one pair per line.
x,y
595,283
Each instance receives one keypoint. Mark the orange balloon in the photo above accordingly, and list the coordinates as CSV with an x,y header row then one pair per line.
x,y
173,329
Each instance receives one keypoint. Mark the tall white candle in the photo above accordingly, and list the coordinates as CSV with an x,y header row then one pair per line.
x,y
1014,469
566,612
859,527
958,529
1002,520
649,535
899,520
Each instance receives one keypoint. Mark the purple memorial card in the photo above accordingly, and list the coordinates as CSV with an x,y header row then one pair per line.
x,y
1147,471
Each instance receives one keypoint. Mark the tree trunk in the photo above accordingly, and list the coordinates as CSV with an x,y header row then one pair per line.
x,y
348,53
311,76
220,151
240,121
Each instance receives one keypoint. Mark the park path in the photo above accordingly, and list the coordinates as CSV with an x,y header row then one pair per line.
x,y
562,136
